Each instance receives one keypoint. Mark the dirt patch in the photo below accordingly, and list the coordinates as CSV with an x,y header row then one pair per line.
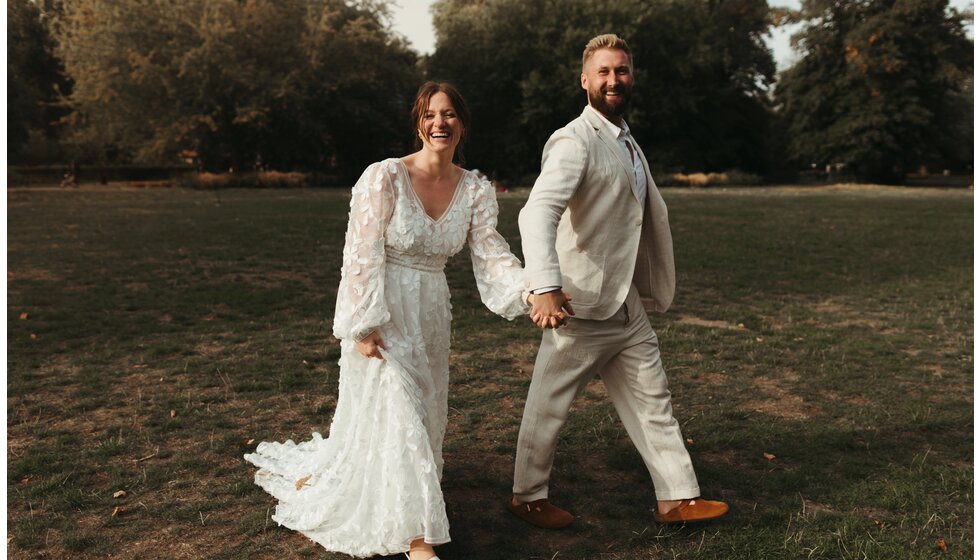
x,y
838,314
727,457
857,401
216,345
712,379
267,279
524,354
776,400
596,390
34,274
484,388
810,506
209,349
709,323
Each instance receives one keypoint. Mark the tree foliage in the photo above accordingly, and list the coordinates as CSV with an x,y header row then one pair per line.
x,y
288,83
702,71
883,85
325,84
34,78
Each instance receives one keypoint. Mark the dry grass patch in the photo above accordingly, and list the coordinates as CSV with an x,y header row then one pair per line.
x,y
776,400
709,323
34,274
835,313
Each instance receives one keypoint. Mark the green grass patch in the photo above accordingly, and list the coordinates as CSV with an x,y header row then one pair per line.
x,y
819,352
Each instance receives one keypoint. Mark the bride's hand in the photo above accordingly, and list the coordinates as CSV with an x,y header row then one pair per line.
x,y
371,345
550,310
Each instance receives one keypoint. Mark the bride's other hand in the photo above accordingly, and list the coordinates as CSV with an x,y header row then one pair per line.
x,y
371,345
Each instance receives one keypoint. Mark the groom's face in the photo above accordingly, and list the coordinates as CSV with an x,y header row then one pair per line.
x,y
608,79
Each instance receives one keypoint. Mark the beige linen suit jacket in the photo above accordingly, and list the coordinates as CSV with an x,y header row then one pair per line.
x,y
584,229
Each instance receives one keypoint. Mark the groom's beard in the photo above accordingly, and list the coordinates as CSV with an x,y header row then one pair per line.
x,y
614,107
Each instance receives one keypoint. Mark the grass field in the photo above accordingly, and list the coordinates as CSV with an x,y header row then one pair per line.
x,y
820,351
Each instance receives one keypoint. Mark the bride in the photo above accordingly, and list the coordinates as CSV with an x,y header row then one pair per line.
x,y
372,487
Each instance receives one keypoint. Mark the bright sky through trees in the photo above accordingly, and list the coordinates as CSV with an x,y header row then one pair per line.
x,y
413,19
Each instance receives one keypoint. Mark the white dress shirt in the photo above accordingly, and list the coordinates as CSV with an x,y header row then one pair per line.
x,y
628,144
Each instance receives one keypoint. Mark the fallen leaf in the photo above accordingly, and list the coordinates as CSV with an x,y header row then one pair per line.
x,y
118,493
741,325
117,510
249,441
23,316
690,441
758,339
33,336
769,456
25,480
173,413
941,543
879,524
138,366
302,482
305,363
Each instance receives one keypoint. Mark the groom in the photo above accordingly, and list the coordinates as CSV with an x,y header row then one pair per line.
x,y
596,227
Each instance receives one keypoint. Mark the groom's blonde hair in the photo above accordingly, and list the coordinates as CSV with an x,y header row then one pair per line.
x,y
606,41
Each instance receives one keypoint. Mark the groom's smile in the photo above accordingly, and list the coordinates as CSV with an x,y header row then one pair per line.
x,y
608,80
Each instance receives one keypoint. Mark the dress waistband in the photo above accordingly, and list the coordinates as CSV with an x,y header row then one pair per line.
x,y
425,263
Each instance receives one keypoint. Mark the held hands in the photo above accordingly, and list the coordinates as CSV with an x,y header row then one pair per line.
x,y
371,345
551,310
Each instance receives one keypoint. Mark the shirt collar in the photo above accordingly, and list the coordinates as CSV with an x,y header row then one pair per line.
x,y
613,128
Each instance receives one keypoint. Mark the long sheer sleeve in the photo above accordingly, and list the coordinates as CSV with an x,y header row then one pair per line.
x,y
361,296
499,275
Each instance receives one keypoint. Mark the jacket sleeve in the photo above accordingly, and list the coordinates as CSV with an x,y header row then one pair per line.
x,y
563,165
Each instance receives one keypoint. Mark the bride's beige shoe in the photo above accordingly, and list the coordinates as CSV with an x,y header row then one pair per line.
x,y
430,558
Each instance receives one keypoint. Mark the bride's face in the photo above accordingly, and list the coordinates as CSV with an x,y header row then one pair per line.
x,y
440,128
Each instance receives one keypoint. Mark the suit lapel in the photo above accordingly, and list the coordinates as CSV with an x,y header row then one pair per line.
x,y
613,146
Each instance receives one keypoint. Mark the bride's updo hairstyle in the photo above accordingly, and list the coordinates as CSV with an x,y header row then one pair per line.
x,y
421,104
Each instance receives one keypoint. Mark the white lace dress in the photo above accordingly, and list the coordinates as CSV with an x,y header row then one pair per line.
x,y
373,484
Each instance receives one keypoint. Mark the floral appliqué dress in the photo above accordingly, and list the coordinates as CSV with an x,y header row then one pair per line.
x,y
372,486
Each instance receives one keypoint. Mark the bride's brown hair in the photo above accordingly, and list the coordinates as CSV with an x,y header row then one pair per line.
x,y
425,93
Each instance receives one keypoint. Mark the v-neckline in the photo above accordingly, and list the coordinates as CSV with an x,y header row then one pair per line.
x,y
418,201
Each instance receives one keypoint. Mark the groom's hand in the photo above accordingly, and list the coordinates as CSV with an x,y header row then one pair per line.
x,y
551,310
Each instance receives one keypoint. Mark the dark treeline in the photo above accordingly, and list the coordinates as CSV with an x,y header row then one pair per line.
x,y
881,86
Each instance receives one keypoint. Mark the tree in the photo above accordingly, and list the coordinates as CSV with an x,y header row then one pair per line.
x,y
290,84
883,85
702,72
34,77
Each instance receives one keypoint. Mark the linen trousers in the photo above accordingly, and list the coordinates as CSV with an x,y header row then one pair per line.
x,y
625,352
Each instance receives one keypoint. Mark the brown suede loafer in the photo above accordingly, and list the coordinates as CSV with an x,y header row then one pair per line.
x,y
693,510
541,513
